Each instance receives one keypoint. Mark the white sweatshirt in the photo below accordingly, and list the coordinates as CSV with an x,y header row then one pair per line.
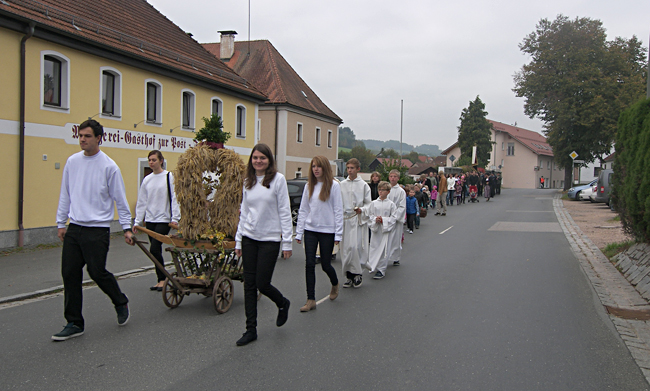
x,y
318,216
91,187
153,200
266,213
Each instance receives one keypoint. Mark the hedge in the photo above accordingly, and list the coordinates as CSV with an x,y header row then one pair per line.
x,y
631,190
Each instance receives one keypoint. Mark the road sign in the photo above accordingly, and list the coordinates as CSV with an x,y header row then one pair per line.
x,y
452,158
573,155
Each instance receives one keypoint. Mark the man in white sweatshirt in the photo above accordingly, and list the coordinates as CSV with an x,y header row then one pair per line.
x,y
398,196
91,187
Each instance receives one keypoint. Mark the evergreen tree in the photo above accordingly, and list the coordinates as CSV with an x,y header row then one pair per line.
x,y
475,130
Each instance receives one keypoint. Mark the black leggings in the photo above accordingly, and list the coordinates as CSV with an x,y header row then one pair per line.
x,y
156,247
326,242
259,263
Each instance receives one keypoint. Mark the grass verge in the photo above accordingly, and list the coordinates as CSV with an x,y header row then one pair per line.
x,y
614,248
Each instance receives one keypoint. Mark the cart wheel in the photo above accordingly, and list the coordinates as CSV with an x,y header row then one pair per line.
x,y
222,294
171,296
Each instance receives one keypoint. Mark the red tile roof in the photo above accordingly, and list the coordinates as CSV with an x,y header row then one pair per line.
x,y
610,158
129,27
271,73
531,140
405,162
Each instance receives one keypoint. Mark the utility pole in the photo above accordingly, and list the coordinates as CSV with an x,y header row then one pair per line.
x,y
401,128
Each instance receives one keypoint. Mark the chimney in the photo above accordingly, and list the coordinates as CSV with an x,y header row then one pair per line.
x,y
227,44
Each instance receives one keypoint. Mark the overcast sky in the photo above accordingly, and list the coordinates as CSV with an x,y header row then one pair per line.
x,y
363,57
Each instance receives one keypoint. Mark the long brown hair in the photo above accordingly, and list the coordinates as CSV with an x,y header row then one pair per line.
x,y
328,177
251,178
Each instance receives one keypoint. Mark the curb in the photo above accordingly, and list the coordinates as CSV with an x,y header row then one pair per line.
x,y
55,289
611,287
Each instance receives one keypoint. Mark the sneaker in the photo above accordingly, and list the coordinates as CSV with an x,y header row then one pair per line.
x,y
410,231
396,263
283,313
443,214
123,314
379,275
69,331
347,283
248,337
358,281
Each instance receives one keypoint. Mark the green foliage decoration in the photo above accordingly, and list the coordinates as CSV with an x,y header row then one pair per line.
x,y
212,131
385,168
631,189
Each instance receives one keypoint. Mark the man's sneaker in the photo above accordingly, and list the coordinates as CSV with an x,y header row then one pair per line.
x,y
379,275
358,281
347,283
123,314
410,231
396,263
69,331
248,337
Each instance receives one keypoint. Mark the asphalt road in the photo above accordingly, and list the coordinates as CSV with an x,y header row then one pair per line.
x,y
496,302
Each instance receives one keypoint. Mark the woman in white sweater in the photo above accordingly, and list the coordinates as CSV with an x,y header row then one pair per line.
x,y
158,207
320,220
264,225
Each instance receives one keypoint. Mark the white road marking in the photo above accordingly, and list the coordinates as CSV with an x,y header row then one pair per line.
x,y
446,230
323,299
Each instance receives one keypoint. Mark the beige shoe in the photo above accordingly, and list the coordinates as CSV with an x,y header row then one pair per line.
x,y
310,305
334,293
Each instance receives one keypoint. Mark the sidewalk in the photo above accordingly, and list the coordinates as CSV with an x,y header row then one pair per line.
x,y
30,273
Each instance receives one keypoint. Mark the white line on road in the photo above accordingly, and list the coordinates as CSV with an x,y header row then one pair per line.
x,y
323,299
446,230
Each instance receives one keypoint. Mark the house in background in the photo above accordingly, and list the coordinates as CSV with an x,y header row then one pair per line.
x,y
294,122
522,156
122,63
416,170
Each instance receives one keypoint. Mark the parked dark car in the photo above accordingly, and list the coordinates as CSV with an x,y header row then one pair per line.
x,y
604,186
295,187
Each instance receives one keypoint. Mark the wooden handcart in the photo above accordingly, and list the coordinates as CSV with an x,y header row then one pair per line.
x,y
200,268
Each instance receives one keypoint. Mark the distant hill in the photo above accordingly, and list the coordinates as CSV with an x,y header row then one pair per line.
x,y
426,149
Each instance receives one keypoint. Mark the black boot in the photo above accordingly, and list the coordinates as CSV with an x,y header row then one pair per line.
x,y
283,313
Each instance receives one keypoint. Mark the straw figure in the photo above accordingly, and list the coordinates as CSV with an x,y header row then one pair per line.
x,y
200,216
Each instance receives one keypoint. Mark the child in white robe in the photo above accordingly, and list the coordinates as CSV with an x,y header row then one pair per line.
x,y
383,217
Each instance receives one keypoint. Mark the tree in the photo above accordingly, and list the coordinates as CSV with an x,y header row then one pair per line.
x,y
388,153
578,83
385,169
413,156
475,130
213,130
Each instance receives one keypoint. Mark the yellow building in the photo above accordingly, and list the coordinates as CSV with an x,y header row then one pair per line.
x,y
122,63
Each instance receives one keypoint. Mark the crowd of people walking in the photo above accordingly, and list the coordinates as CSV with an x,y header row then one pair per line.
x,y
366,220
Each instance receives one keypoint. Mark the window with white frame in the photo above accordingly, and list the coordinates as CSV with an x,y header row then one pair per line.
x,y
318,137
187,109
299,133
329,139
217,107
511,149
240,124
111,93
55,79
153,107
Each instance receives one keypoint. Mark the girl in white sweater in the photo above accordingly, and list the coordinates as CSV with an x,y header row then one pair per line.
x,y
158,207
320,219
264,225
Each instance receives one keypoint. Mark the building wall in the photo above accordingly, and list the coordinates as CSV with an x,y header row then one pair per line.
x,y
51,132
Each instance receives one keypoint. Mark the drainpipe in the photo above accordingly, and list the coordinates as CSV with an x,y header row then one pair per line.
x,y
276,133
21,161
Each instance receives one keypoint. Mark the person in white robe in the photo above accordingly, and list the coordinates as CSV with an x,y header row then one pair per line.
x,y
383,218
354,243
398,197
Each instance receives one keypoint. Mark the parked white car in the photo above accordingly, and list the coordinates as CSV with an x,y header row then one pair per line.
x,y
585,194
594,191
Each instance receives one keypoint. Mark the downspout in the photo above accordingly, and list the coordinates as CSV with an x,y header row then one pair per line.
x,y
276,133
21,159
